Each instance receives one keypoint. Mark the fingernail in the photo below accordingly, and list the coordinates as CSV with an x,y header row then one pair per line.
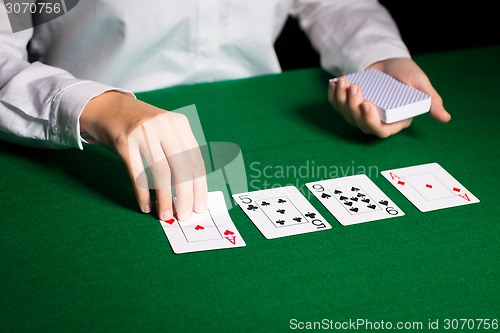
x,y
353,90
167,214
365,107
184,216
200,207
146,209
341,83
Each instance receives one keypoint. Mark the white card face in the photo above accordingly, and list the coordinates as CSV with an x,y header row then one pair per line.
x,y
281,212
429,187
211,230
354,199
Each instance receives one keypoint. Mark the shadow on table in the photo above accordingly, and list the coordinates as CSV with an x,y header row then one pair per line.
x,y
324,117
95,168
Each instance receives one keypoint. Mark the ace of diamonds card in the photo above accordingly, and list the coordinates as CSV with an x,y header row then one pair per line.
x,y
429,187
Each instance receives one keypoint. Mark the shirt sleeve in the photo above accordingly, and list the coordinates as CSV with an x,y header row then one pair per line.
x,y
350,35
40,105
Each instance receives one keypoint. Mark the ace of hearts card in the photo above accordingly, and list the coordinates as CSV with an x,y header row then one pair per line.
x,y
210,230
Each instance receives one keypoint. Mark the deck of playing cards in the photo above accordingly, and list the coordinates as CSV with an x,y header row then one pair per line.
x,y
395,100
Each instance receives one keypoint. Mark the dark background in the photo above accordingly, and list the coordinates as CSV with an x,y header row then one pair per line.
x,y
425,26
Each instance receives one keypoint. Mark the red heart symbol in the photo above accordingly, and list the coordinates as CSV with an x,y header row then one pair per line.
x,y
199,227
228,233
170,221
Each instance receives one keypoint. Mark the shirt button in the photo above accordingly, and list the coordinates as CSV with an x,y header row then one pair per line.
x,y
55,130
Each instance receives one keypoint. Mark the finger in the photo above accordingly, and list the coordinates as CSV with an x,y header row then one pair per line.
x,y
200,187
189,174
332,93
371,119
160,170
341,91
183,183
162,179
375,126
338,107
354,100
193,185
342,104
200,193
438,111
135,168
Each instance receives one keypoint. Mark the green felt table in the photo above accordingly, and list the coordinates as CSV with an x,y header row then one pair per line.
x,y
77,256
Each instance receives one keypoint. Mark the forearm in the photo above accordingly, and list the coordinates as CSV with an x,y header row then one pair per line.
x,y
41,106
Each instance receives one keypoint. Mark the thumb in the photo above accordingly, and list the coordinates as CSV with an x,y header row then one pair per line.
x,y
438,111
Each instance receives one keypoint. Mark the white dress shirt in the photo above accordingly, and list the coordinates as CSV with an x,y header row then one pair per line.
x,y
48,73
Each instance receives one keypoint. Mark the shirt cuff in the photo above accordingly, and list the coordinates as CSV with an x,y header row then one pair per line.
x,y
363,57
68,105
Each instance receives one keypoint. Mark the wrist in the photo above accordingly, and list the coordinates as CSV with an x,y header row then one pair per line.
x,y
96,109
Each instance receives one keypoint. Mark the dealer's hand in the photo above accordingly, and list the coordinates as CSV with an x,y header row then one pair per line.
x,y
347,99
134,129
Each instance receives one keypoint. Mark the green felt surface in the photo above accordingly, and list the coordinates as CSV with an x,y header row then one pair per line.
x,y
76,256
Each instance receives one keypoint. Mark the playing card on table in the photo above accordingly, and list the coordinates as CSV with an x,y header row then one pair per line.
x,y
281,212
210,230
429,187
354,199
395,100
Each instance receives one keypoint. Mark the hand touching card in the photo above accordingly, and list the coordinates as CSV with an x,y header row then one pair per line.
x,y
211,230
429,187
281,212
354,199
